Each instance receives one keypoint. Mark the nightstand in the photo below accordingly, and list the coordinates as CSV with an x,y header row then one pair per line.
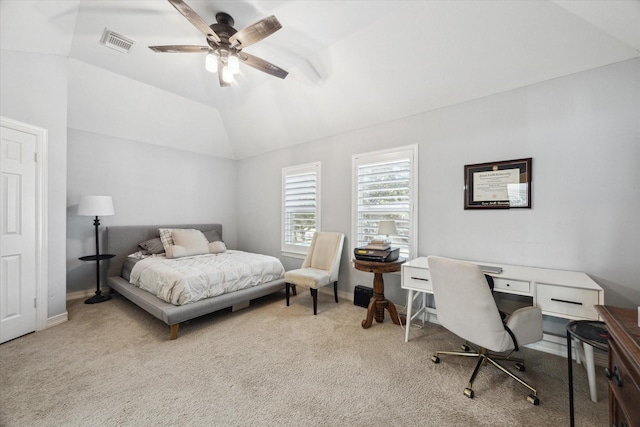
x,y
98,297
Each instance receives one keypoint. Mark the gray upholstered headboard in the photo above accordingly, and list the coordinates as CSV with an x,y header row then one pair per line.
x,y
123,240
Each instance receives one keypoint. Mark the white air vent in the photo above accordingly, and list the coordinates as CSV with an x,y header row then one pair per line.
x,y
117,41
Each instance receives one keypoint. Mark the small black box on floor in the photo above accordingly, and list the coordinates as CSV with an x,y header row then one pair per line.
x,y
362,295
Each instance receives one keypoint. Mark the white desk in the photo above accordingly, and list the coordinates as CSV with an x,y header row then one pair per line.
x,y
565,294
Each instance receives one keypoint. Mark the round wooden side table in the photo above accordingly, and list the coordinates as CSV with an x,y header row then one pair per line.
x,y
378,302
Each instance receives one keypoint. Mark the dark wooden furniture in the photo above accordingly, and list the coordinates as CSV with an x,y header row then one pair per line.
x,y
623,369
378,302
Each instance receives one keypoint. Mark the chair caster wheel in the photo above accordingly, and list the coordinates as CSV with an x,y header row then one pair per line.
x,y
520,367
465,347
435,359
533,400
468,392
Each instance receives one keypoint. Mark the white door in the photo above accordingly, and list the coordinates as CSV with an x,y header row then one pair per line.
x,y
17,233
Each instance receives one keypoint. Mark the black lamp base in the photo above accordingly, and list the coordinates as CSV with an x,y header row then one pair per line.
x,y
98,297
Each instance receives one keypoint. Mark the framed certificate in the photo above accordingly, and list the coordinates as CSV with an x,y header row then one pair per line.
x,y
498,185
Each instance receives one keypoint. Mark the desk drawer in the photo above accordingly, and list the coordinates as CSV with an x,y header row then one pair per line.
x,y
417,279
566,301
509,285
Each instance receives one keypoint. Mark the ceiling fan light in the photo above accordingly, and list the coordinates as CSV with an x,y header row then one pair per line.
x,y
211,63
234,64
227,75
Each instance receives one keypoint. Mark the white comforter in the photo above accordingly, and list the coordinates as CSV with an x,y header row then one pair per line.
x,y
189,279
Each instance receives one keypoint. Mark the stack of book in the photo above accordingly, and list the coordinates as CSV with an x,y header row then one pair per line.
x,y
379,244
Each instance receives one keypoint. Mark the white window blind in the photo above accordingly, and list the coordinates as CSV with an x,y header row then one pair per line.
x,y
301,207
385,189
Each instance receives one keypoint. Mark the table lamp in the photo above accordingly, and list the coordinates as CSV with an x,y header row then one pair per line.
x,y
96,206
387,228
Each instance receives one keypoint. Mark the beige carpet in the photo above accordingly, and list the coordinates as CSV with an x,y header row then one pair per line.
x,y
112,364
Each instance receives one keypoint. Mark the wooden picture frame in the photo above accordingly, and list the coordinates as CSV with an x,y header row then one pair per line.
x,y
498,185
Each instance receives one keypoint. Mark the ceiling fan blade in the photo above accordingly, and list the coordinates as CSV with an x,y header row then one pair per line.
x,y
196,20
180,49
255,32
262,65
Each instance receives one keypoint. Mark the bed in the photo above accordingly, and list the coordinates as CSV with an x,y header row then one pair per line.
x,y
124,240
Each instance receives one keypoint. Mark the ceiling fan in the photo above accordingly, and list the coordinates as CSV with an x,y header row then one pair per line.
x,y
224,52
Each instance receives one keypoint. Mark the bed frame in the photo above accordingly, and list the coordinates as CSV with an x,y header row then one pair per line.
x,y
123,240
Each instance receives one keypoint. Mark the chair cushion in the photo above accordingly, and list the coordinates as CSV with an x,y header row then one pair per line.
x,y
526,324
307,277
325,250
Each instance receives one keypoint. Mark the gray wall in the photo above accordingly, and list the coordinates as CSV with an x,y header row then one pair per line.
x,y
149,184
582,132
33,90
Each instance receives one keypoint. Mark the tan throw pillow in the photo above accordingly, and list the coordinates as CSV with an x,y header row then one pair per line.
x,y
166,236
187,243
217,247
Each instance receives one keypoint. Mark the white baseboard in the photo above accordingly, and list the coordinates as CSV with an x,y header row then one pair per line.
x,y
57,320
557,345
87,293
549,346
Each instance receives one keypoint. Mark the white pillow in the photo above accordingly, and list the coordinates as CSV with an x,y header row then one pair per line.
x,y
217,247
187,243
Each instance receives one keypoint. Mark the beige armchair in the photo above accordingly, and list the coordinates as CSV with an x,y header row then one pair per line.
x,y
465,306
320,267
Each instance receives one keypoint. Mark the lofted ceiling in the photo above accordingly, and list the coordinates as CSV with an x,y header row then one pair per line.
x,y
351,64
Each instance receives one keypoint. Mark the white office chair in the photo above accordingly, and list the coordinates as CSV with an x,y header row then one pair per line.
x,y
465,306
320,267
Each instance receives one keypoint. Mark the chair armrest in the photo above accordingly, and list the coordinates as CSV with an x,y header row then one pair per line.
x,y
526,324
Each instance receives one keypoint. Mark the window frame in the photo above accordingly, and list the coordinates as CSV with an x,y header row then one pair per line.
x,y
408,151
288,249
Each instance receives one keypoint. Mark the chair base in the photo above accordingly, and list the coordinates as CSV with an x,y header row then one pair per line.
x,y
483,357
314,294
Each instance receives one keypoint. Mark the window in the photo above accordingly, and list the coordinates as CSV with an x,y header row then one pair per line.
x,y
385,188
300,207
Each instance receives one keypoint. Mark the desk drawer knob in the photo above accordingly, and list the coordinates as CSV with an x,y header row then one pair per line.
x,y
419,278
615,375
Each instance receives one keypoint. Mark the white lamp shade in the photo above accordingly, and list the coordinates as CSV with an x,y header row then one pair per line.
x,y
95,206
387,228
211,63
234,64
227,74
